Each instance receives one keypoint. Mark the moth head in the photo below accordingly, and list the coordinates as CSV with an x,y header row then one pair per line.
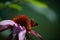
x,y
33,23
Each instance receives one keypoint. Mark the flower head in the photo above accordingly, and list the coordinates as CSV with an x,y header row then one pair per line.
x,y
23,20
21,25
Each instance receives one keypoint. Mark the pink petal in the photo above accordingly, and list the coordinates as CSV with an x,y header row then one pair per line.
x,y
4,28
21,34
36,34
5,24
8,22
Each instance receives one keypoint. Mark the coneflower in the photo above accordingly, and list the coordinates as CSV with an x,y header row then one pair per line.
x,y
20,25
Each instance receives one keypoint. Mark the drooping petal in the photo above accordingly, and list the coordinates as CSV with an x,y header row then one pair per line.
x,y
22,33
4,28
8,22
15,31
36,34
14,35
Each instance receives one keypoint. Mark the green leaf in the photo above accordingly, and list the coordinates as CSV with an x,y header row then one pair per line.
x,y
38,3
15,6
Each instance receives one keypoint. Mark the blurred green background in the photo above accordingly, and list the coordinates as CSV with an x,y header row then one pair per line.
x,y
44,12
